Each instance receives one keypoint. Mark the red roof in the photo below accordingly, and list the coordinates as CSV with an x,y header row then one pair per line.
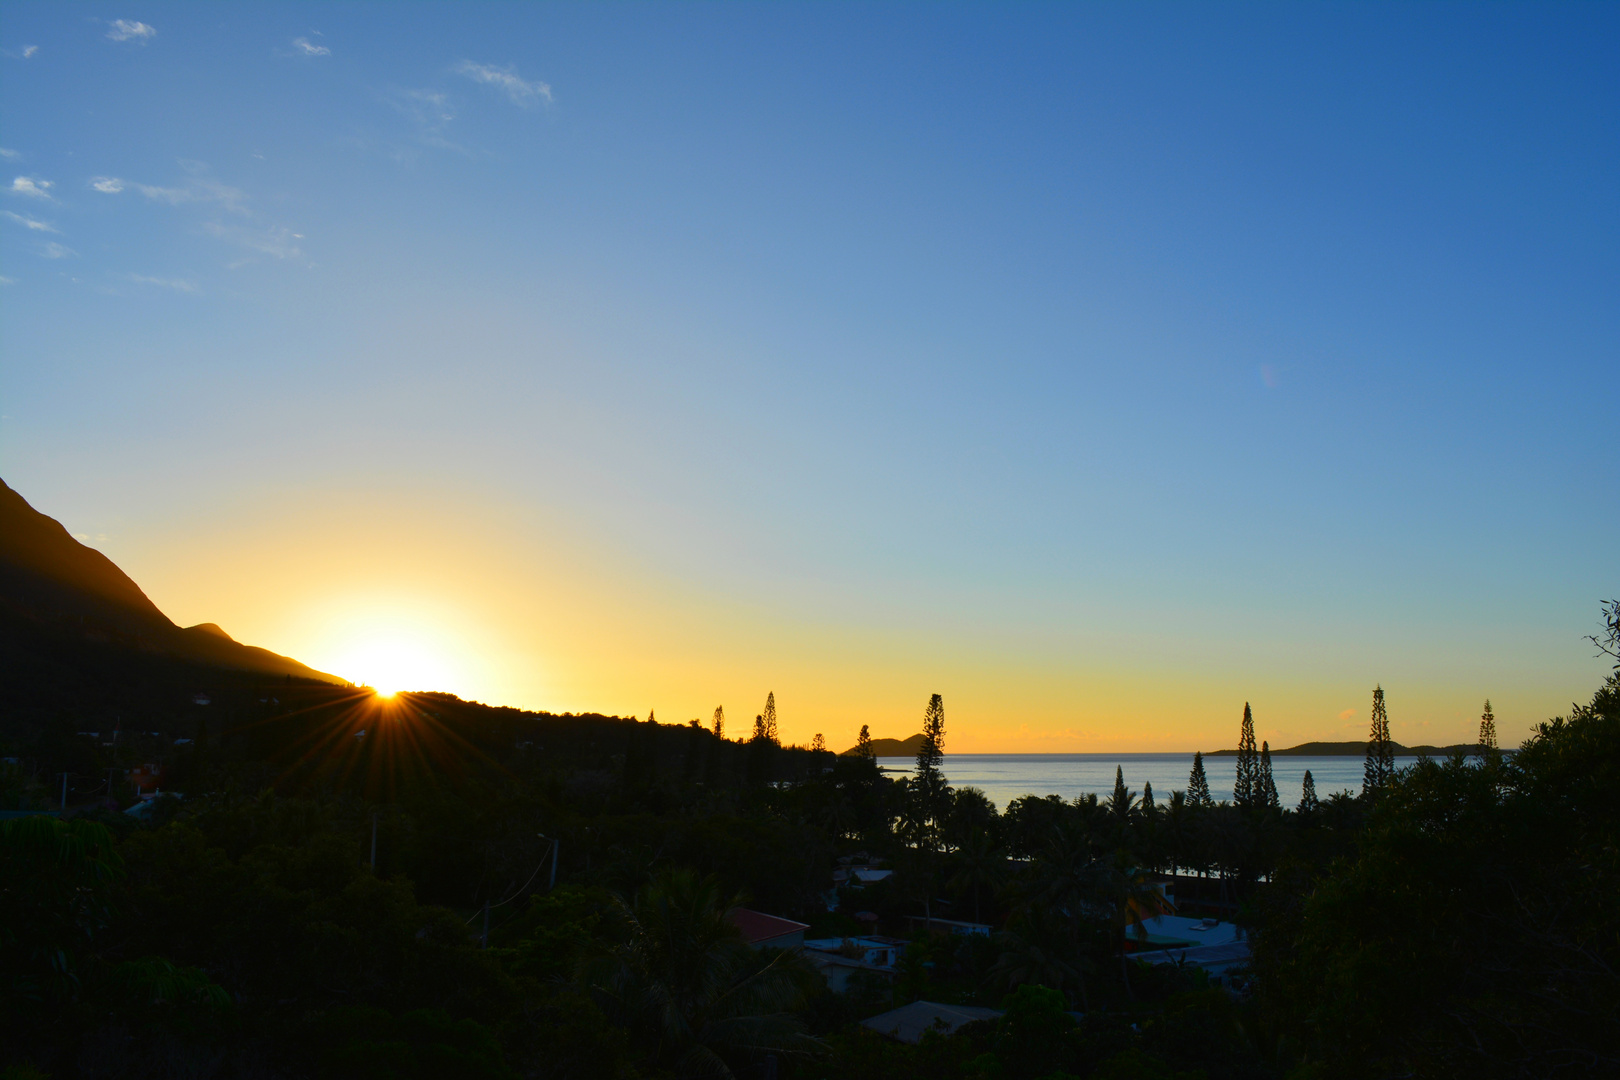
x,y
756,926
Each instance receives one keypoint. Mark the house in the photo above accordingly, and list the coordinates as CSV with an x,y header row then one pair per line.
x,y
839,959
1215,946
1216,960
1160,899
954,926
857,876
1179,932
146,804
873,951
907,1023
763,931
149,775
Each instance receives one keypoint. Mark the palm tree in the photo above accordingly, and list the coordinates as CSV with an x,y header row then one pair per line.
x,y
1135,899
838,813
1065,894
1041,949
686,982
1178,828
981,863
1064,874
971,811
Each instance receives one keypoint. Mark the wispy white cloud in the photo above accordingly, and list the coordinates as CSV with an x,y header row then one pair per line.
x,y
52,250
124,30
8,281
177,284
32,186
277,242
174,196
430,112
207,189
429,108
9,155
201,190
308,48
29,51
30,222
519,90
198,188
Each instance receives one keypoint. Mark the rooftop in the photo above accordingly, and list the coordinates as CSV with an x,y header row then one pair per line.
x,y
1166,931
1210,957
907,1023
756,926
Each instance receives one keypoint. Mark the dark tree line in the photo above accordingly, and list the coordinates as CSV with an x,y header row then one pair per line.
x,y
356,888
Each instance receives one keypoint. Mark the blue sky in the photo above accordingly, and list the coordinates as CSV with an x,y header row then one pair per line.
x,y
1100,367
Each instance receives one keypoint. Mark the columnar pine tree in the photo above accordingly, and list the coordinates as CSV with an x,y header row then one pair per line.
x,y
1307,796
928,785
1386,746
932,751
652,716
768,718
1198,783
1246,792
1487,728
719,721
1266,787
817,743
1148,806
1379,769
1122,804
863,743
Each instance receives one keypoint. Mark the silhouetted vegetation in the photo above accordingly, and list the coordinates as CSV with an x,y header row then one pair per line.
x,y
426,886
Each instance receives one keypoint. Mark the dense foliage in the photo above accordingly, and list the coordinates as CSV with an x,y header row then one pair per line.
x,y
1471,930
430,887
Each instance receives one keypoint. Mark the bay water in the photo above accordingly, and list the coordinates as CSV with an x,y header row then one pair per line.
x,y
1005,777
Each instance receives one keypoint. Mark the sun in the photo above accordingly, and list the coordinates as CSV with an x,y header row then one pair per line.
x,y
396,644
396,660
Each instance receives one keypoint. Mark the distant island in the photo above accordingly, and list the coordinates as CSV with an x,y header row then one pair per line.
x,y
891,747
1356,749
908,748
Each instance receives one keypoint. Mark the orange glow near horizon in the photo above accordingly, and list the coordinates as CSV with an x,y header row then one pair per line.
x,y
391,645
482,602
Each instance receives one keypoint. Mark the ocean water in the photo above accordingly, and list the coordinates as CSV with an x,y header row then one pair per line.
x,y
1005,777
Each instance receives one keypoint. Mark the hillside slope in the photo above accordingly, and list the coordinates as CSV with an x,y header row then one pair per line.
x,y
51,584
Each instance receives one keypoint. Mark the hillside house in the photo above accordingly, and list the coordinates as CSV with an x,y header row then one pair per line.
x,y
763,931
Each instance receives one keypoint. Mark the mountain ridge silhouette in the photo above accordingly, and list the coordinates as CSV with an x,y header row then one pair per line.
x,y
54,583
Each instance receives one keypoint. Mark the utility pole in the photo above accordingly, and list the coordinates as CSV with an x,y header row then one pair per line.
x,y
64,792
